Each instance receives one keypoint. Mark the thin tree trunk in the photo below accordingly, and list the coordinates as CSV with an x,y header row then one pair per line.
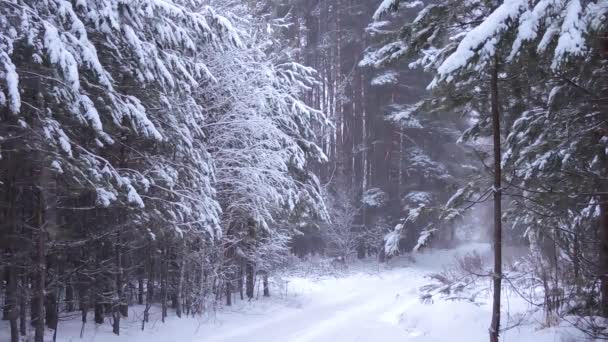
x,y
163,284
576,262
228,292
202,291
240,281
603,202
40,282
56,315
140,290
69,296
265,283
495,325
188,290
11,302
151,275
180,288
83,300
6,311
117,307
50,310
100,288
11,307
50,299
99,311
603,262
249,270
150,288
250,265
23,304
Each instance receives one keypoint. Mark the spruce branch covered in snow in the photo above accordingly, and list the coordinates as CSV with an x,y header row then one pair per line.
x,y
137,136
546,58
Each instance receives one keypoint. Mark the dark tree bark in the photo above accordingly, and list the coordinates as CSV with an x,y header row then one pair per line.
x,y
99,311
41,273
180,288
241,282
249,270
250,265
603,262
6,311
149,288
11,305
151,275
83,304
265,283
163,283
117,307
495,325
69,296
603,202
228,292
23,304
11,302
50,311
140,290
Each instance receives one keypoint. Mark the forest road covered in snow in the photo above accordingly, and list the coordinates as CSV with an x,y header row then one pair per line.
x,y
360,307
367,304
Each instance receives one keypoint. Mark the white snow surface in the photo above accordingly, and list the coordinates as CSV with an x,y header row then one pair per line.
x,y
366,303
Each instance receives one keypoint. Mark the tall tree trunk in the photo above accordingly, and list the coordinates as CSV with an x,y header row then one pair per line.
x,y
100,285
117,307
23,304
149,287
240,281
265,283
99,310
11,301
203,289
11,305
50,310
576,262
603,262
250,266
83,302
495,325
6,310
69,296
603,202
249,282
180,288
140,290
50,299
228,291
41,270
163,283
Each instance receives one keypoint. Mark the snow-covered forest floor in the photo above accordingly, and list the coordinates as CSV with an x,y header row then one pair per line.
x,y
365,302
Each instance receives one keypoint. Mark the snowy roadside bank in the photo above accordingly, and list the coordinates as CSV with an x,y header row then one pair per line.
x,y
366,303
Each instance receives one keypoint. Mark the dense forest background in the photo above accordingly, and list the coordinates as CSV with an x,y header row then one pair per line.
x,y
175,153
383,160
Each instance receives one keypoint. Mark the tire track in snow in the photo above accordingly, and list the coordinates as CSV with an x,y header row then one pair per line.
x,y
364,314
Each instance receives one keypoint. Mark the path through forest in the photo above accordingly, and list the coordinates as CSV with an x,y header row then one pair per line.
x,y
360,307
368,303
374,304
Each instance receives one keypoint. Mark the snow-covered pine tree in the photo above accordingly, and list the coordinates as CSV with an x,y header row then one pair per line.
x,y
106,142
536,45
260,139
